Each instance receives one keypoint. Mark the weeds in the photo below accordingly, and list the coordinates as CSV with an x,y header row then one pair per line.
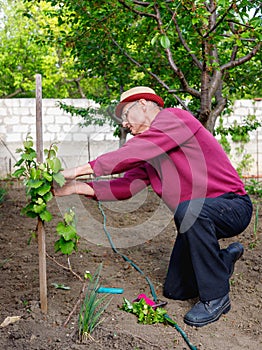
x,y
3,192
256,222
253,244
254,187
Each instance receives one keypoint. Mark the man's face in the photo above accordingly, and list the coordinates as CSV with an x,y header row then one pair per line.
x,y
134,117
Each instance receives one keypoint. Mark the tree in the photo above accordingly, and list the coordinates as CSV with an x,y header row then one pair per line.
x,y
203,52
24,51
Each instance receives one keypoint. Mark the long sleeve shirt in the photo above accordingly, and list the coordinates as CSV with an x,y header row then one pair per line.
x,y
177,156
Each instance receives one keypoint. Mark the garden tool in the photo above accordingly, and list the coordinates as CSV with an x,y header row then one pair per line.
x,y
150,302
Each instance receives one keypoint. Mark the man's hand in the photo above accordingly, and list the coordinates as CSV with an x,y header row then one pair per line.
x,y
73,173
69,174
73,187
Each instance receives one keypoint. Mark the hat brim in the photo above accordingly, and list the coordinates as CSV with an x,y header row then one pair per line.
x,y
136,97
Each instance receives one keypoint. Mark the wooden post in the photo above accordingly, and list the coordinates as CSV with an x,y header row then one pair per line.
x,y
40,224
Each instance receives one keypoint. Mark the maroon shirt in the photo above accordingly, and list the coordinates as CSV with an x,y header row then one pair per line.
x,y
177,156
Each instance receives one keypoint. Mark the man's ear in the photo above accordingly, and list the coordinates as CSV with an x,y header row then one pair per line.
x,y
143,103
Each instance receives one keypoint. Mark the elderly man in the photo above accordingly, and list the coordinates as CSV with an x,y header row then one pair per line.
x,y
185,165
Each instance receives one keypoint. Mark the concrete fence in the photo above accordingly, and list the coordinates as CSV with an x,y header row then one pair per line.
x,y
80,144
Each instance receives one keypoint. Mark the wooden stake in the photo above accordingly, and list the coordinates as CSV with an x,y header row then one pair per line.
x,y
40,224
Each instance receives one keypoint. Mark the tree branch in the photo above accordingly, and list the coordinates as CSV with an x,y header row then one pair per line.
x,y
240,24
184,43
177,71
221,19
219,109
13,94
64,267
161,82
78,85
221,102
141,3
234,53
181,76
189,12
241,39
241,60
214,83
213,54
140,13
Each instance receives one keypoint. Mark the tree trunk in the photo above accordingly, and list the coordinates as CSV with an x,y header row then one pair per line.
x,y
122,138
205,101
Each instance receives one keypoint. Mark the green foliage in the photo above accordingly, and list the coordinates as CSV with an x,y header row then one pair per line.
x,y
31,41
91,116
204,51
145,313
239,134
3,193
256,221
38,178
254,187
255,240
95,116
245,164
92,307
68,240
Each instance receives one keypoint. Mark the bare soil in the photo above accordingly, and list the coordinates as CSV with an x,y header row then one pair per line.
x,y
19,282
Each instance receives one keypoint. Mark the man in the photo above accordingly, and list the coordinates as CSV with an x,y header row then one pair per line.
x,y
185,165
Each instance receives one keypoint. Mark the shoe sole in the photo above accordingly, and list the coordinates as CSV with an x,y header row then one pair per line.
x,y
224,310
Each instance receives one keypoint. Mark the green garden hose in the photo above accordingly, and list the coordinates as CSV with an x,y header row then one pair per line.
x,y
152,289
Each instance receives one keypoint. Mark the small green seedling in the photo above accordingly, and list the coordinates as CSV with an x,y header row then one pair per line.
x,y
38,178
88,275
67,231
60,286
92,307
3,193
145,313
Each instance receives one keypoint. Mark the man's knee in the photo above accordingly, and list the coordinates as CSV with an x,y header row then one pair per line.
x,y
180,213
187,213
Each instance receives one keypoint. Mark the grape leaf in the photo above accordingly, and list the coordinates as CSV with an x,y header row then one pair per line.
x,y
59,179
46,216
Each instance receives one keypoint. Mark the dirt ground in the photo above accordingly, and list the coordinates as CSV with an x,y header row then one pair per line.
x,y
141,232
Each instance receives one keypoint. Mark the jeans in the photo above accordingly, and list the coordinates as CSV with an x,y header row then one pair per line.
x,y
198,267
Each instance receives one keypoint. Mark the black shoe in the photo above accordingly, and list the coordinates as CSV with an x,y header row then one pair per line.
x,y
206,312
236,250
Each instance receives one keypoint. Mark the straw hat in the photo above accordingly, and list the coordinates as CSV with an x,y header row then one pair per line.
x,y
135,94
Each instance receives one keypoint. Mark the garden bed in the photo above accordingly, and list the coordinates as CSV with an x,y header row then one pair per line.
x,y
150,251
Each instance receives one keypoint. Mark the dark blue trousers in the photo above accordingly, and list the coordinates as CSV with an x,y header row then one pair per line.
x,y
198,267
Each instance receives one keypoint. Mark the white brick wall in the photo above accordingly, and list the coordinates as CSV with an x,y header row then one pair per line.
x,y
241,109
17,118
77,144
